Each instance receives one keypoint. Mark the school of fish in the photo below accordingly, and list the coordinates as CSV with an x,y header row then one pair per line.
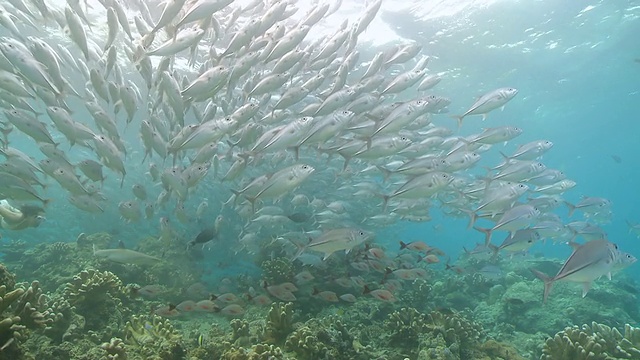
x,y
234,107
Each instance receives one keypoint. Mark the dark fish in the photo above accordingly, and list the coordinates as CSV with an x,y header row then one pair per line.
x,y
204,236
616,158
299,217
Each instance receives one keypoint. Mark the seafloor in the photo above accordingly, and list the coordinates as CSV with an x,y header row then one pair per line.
x,y
75,306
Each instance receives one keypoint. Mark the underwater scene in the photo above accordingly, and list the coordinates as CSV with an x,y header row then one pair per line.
x,y
319,179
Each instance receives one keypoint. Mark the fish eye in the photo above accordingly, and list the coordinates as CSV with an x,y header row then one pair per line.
x,y
521,186
361,233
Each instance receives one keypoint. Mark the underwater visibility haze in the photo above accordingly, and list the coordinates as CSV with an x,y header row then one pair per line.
x,y
321,179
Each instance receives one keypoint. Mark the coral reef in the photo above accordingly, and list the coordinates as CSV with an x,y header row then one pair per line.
x,y
256,352
153,338
115,349
279,323
9,324
322,338
240,331
277,271
92,286
593,342
306,344
97,296
404,326
7,279
27,308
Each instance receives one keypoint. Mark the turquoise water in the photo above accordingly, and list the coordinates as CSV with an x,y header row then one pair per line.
x,y
576,67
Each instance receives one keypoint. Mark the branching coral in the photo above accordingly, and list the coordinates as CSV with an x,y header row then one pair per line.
x,y
240,330
257,352
454,327
405,325
322,338
92,285
593,342
10,322
305,344
98,297
449,335
277,271
7,279
28,305
279,323
153,337
115,349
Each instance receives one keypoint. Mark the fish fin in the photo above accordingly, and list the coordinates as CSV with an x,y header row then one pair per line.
x,y
473,217
459,119
548,283
494,249
386,173
586,286
574,245
484,117
385,199
487,234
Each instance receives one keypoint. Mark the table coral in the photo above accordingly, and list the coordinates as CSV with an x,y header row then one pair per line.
x,y
593,342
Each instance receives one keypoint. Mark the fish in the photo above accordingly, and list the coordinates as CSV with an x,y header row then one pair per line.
x,y
491,272
586,263
126,256
204,237
514,219
336,240
521,240
488,102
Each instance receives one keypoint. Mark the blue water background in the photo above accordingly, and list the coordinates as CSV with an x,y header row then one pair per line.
x,y
579,87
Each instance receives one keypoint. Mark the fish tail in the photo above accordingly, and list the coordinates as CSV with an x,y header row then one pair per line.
x,y
385,203
386,173
487,234
506,159
571,207
458,119
494,250
548,283
301,249
473,217
403,245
